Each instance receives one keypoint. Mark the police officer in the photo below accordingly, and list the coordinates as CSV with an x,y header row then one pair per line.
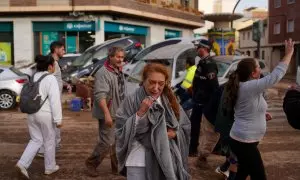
x,y
204,84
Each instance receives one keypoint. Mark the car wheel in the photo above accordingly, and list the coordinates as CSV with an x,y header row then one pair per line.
x,y
7,99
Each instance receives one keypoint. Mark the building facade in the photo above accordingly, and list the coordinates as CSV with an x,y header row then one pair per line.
x,y
249,47
284,23
28,27
251,15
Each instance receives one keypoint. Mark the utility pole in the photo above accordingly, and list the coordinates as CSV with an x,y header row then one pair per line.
x,y
237,3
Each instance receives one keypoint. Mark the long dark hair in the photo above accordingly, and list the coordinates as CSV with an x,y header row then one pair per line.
x,y
242,74
155,67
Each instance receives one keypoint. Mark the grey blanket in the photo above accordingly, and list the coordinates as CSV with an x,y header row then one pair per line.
x,y
166,159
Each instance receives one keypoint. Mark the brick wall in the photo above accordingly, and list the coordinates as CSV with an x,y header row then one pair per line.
x,y
282,15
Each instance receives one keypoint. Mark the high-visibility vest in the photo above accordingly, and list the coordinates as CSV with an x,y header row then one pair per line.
x,y
189,77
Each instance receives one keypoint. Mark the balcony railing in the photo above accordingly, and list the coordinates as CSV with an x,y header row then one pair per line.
x,y
170,4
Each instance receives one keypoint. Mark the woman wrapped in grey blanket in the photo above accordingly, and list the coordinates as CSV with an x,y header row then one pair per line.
x,y
152,131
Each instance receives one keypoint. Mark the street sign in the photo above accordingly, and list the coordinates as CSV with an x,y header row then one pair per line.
x,y
257,30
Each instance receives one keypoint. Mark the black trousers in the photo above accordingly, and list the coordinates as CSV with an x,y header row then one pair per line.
x,y
195,127
249,160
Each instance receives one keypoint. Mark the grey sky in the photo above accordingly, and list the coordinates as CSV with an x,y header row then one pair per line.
x,y
248,3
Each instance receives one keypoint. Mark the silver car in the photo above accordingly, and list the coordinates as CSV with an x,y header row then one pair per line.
x,y
228,64
11,84
173,57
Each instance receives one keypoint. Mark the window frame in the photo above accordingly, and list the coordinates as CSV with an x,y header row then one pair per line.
x,y
291,2
274,28
287,26
277,5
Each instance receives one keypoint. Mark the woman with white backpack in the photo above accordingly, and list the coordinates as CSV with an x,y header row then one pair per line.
x,y
42,116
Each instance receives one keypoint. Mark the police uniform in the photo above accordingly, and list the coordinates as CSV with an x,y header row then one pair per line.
x,y
204,84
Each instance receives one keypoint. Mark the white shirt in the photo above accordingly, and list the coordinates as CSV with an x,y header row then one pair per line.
x,y
49,87
136,157
57,74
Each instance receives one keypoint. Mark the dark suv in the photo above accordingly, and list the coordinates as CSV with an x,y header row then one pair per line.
x,y
95,56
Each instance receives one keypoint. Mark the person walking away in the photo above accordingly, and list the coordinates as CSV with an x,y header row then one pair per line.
x,y
184,88
250,107
109,92
42,124
57,50
152,130
204,84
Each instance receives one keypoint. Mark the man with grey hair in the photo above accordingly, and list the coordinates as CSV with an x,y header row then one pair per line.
x,y
109,92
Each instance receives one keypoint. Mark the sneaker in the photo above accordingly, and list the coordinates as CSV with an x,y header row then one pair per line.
x,y
91,170
219,171
41,155
48,172
22,171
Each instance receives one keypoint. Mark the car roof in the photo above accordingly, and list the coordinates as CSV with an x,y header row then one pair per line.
x,y
167,52
71,55
108,42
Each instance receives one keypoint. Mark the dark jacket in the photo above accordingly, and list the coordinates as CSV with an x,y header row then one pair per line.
x,y
224,119
211,108
291,107
205,81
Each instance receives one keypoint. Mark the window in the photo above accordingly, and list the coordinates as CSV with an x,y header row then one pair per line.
x,y
248,53
255,54
263,55
232,69
181,61
290,1
290,26
263,33
276,28
222,68
155,47
277,3
244,35
185,3
248,35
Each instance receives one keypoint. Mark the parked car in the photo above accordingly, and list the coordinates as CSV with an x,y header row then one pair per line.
x,y
95,56
11,84
173,56
228,64
67,60
127,69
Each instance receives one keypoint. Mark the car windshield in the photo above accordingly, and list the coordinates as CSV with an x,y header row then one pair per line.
x,y
82,59
222,68
138,69
100,52
152,48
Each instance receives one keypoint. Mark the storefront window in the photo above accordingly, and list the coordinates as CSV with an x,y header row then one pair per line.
x,y
118,30
77,35
6,43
